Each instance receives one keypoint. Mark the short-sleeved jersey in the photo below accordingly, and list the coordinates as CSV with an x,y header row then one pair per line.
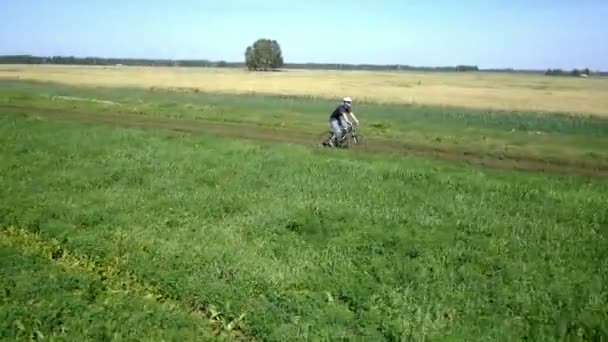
x,y
339,111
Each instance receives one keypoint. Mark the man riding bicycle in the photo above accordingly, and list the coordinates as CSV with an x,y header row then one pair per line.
x,y
338,120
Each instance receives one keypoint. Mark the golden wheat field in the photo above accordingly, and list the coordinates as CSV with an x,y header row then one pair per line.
x,y
477,90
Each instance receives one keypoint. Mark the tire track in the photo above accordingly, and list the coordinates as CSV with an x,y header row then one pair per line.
x,y
373,145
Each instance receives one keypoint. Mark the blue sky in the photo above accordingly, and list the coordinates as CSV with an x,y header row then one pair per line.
x,y
492,33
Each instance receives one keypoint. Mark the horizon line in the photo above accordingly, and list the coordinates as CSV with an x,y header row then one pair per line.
x,y
301,63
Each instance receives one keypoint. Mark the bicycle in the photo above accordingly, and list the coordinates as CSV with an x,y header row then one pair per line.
x,y
350,136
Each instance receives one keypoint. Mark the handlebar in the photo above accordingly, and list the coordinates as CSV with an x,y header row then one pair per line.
x,y
351,128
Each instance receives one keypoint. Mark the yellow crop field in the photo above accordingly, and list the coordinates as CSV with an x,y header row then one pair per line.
x,y
474,90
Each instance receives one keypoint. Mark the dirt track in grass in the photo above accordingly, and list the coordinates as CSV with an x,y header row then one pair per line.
x,y
281,135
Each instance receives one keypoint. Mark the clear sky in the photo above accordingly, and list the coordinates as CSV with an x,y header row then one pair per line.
x,y
492,33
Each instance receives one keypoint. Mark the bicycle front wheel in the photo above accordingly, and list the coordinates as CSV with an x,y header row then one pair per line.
x,y
358,139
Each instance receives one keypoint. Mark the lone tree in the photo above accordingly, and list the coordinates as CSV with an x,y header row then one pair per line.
x,y
265,54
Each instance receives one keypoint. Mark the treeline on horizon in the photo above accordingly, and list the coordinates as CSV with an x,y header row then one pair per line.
x,y
71,60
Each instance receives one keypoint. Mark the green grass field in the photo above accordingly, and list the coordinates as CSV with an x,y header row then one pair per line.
x,y
560,139
180,234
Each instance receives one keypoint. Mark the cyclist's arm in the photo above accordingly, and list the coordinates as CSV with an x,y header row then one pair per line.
x,y
354,117
345,116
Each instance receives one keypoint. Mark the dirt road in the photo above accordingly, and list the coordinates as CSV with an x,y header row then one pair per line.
x,y
279,135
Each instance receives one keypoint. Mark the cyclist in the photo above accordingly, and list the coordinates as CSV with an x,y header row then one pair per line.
x,y
338,120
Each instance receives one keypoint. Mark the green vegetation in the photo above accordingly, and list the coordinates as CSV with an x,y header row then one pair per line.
x,y
47,293
537,136
574,72
264,54
283,241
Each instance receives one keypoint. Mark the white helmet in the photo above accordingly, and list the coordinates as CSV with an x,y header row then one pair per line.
x,y
347,101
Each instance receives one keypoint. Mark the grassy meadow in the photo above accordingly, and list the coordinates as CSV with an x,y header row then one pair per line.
x,y
472,90
560,139
222,219
140,231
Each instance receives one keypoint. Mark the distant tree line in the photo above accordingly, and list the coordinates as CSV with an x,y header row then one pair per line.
x,y
574,72
29,59
378,67
255,58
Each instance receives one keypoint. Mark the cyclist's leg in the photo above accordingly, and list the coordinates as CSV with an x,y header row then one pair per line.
x,y
344,128
336,127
